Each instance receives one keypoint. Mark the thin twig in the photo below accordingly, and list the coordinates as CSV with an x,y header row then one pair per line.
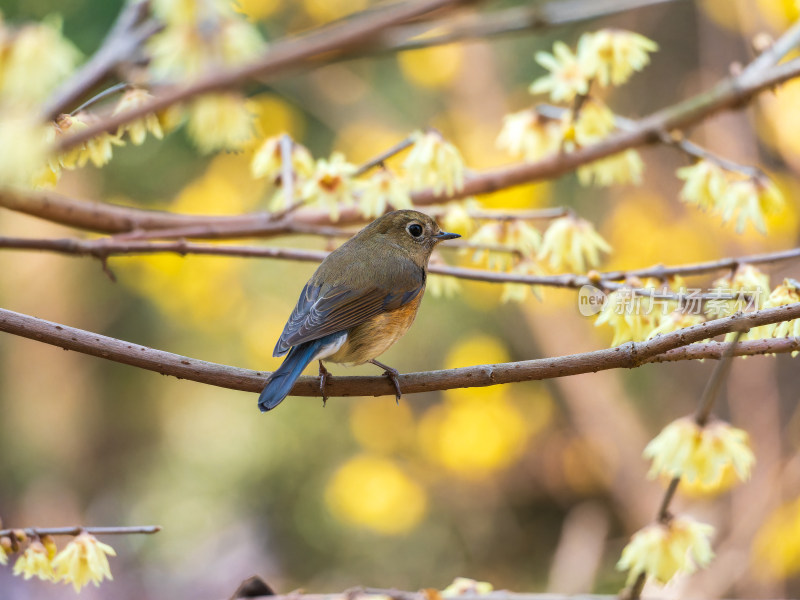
x,y
384,156
104,248
287,172
78,529
282,56
627,356
131,29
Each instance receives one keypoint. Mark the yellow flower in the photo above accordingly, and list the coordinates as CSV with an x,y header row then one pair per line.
x,y
34,59
23,148
220,122
572,244
83,560
513,234
441,286
99,150
529,135
673,321
750,199
383,190
267,161
613,55
662,551
457,218
684,449
463,585
518,292
595,121
5,549
628,315
750,286
137,130
784,294
567,77
331,184
434,162
34,562
491,234
704,184
625,167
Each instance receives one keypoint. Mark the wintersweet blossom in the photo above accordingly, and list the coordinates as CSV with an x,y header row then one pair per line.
x,y
457,216
514,234
434,162
786,293
613,55
34,59
529,135
5,549
268,161
750,200
220,122
751,287
623,312
464,585
518,292
704,184
383,190
567,76
624,167
441,286
595,121
83,560
491,234
23,148
98,150
663,550
34,562
685,449
137,130
331,184
673,321
572,244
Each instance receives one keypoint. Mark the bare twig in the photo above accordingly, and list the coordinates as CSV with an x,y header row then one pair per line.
x,y
287,172
78,529
384,156
325,42
519,19
132,28
628,355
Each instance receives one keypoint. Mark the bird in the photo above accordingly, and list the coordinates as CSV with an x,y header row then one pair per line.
x,y
361,299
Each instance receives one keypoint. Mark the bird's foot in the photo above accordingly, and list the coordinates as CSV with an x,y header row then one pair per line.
x,y
393,375
323,380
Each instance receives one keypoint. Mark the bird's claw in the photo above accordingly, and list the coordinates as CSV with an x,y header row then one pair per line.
x,y
323,380
393,375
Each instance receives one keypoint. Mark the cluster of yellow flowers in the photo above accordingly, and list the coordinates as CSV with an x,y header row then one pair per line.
x,y
40,49
84,559
332,183
697,453
200,37
735,197
608,57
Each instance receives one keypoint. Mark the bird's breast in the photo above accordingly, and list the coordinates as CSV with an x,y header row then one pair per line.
x,y
372,338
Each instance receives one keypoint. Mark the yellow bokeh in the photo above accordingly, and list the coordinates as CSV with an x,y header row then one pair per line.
x,y
323,11
363,139
380,425
373,492
274,116
434,67
473,437
258,10
476,349
779,14
776,550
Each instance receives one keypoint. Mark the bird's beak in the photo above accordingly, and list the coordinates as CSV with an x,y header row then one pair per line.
x,y
446,236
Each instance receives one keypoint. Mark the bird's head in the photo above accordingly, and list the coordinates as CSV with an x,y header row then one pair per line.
x,y
415,232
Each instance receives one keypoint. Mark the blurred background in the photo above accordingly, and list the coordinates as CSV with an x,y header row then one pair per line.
x,y
532,487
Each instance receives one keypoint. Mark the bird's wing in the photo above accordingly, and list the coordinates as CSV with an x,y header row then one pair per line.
x,y
318,313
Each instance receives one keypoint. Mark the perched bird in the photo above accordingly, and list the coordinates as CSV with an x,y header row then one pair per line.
x,y
361,300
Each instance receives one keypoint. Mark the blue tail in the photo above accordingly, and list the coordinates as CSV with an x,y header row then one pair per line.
x,y
282,380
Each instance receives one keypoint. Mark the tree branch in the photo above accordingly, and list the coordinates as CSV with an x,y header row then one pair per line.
x,y
78,529
131,29
282,56
628,356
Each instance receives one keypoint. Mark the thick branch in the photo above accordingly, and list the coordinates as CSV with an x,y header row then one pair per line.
x,y
628,356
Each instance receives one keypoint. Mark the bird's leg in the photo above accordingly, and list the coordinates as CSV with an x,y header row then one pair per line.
x,y
323,379
392,374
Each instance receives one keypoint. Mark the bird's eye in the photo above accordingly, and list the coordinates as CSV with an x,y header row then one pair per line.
x,y
415,229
